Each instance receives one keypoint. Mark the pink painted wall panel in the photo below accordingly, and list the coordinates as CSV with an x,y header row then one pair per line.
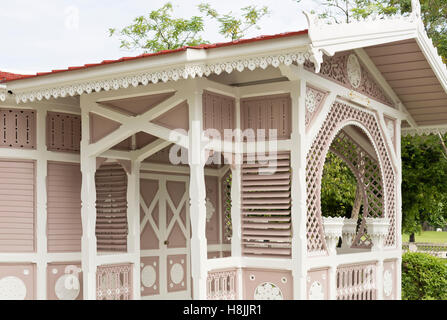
x,y
17,128
17,281
64,281
64,226
176,191
318,284
63,132
17,206
148,190
267,112
267,284
101,127
176,118
218,112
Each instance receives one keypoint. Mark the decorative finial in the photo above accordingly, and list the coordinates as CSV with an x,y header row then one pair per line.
x,y
416,8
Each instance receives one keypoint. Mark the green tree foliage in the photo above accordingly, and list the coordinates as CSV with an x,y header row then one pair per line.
x,y
338,188
159,30
423,277
233,27
424,187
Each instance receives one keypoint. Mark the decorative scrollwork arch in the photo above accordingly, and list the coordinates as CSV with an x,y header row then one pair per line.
x,y
339,116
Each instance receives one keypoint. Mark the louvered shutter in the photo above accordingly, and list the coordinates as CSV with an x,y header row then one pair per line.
x,y
111,208
17,206
266,207
64,226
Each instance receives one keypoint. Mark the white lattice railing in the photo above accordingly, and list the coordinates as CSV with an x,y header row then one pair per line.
x,y
222,285
114,282
357,282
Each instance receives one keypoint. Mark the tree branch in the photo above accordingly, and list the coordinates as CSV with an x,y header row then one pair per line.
x,y
444,153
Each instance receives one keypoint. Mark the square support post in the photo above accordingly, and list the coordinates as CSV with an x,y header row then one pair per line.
x,y
197,194
298,188
133,222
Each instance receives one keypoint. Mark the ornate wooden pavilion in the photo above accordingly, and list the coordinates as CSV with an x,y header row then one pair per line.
x,y
196,173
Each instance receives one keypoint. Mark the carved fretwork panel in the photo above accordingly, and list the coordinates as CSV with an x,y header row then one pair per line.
x,y
339,116
346,69
314,102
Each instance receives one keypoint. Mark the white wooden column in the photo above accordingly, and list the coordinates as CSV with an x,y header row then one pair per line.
x,y
41,206
88,212
133,222
298,189
197,194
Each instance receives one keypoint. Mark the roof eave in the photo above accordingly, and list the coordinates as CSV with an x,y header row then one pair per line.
x,y
189,56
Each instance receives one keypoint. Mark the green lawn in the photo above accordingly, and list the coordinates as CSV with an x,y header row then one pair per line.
x,y
428,236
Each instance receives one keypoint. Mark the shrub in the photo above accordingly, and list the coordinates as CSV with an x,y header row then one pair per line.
x,y
424,277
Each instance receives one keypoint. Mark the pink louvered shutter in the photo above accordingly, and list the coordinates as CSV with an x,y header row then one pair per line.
x,y
111,208
64,227
17,206
266,207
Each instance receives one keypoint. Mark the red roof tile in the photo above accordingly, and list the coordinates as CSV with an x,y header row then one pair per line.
x,y
8,76
13,77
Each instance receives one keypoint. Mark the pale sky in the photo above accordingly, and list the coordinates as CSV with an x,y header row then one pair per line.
x,y
41,35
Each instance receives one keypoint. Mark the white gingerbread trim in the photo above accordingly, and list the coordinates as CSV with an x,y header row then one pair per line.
x,y
184,71
3,93
426,130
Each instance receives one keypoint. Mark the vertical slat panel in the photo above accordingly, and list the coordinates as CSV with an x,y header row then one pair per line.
x,y
357,282
17,206
218,112
267,113
64,207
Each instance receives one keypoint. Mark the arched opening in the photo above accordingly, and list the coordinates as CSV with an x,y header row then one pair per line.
x,y
376,170
351,189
